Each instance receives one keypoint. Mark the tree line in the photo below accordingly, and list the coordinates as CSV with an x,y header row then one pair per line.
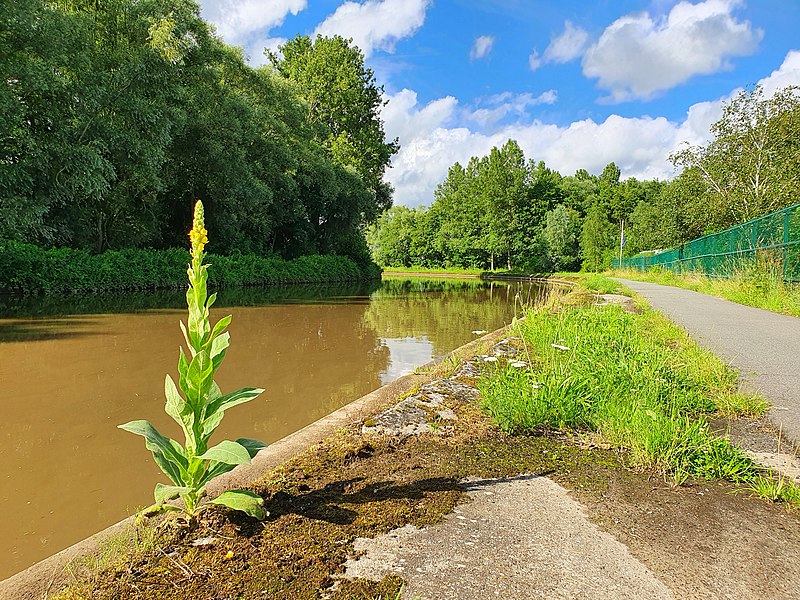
x,y
116,115
503,210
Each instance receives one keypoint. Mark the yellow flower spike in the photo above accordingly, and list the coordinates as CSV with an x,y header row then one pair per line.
x,y
198,236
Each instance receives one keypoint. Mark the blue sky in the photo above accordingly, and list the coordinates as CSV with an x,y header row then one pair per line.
x,y
578,84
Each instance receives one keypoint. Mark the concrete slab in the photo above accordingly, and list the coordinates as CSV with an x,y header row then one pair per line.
x,y
518,538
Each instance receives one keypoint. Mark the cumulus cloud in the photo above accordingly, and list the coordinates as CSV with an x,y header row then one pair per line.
x,y
431,140
568,46
695,129
375,24
482,47
787,74
404,120
638,56
236,19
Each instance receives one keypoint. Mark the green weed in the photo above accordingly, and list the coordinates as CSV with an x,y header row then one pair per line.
x,y
201,407
742,403
776,488
601,284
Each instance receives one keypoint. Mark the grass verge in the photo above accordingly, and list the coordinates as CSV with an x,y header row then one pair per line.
x,y
751,286
637,380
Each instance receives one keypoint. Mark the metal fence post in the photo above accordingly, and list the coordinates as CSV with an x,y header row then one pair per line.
x,y
787,213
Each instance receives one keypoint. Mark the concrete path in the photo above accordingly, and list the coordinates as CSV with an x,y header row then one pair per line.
x,y
764,346
517,539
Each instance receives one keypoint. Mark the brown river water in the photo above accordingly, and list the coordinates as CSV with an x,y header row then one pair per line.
x,y
72,369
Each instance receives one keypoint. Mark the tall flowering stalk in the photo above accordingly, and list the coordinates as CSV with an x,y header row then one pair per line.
x,y
199,405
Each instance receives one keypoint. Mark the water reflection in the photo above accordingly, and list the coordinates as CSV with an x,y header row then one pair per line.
x,y
22,307
405,355
68,381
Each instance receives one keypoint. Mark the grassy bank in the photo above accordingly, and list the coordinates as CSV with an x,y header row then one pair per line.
x,y
753,285
25,268
634,379
427,271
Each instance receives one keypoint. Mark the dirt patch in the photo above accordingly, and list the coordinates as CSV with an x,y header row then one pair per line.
x,y
704,540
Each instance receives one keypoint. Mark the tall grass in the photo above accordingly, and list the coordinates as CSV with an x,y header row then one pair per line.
x,y
637,380
757,281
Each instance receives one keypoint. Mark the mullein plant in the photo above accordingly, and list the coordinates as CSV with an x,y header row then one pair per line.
x,y
198,405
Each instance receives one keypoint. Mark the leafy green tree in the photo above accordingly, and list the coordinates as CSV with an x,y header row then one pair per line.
x,y
579,191
597,240
120,120
562,234
344,101
460,217
116,116
608,188
503,191
752,166
42,55
395,239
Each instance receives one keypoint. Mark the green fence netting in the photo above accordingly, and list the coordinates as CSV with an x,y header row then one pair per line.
x,y
772,240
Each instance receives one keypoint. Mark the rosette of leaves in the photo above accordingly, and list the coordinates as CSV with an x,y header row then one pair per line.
x,y
198,405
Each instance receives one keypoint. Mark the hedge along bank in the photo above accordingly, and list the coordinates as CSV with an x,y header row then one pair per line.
x,y
29,269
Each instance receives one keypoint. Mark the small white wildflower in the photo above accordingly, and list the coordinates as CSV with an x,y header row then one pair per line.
x,y
560,347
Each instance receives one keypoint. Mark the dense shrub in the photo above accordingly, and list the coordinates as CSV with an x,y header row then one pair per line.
x,y
29,269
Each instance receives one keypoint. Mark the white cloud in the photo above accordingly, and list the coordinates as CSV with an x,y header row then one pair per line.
x,y
534,60
402,119
787,74
237,19
375,24
568,46
638,56
482,47
246,23
641,146
499,106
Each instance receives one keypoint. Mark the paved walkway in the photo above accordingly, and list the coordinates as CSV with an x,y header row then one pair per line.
x,y
763,345
523,537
